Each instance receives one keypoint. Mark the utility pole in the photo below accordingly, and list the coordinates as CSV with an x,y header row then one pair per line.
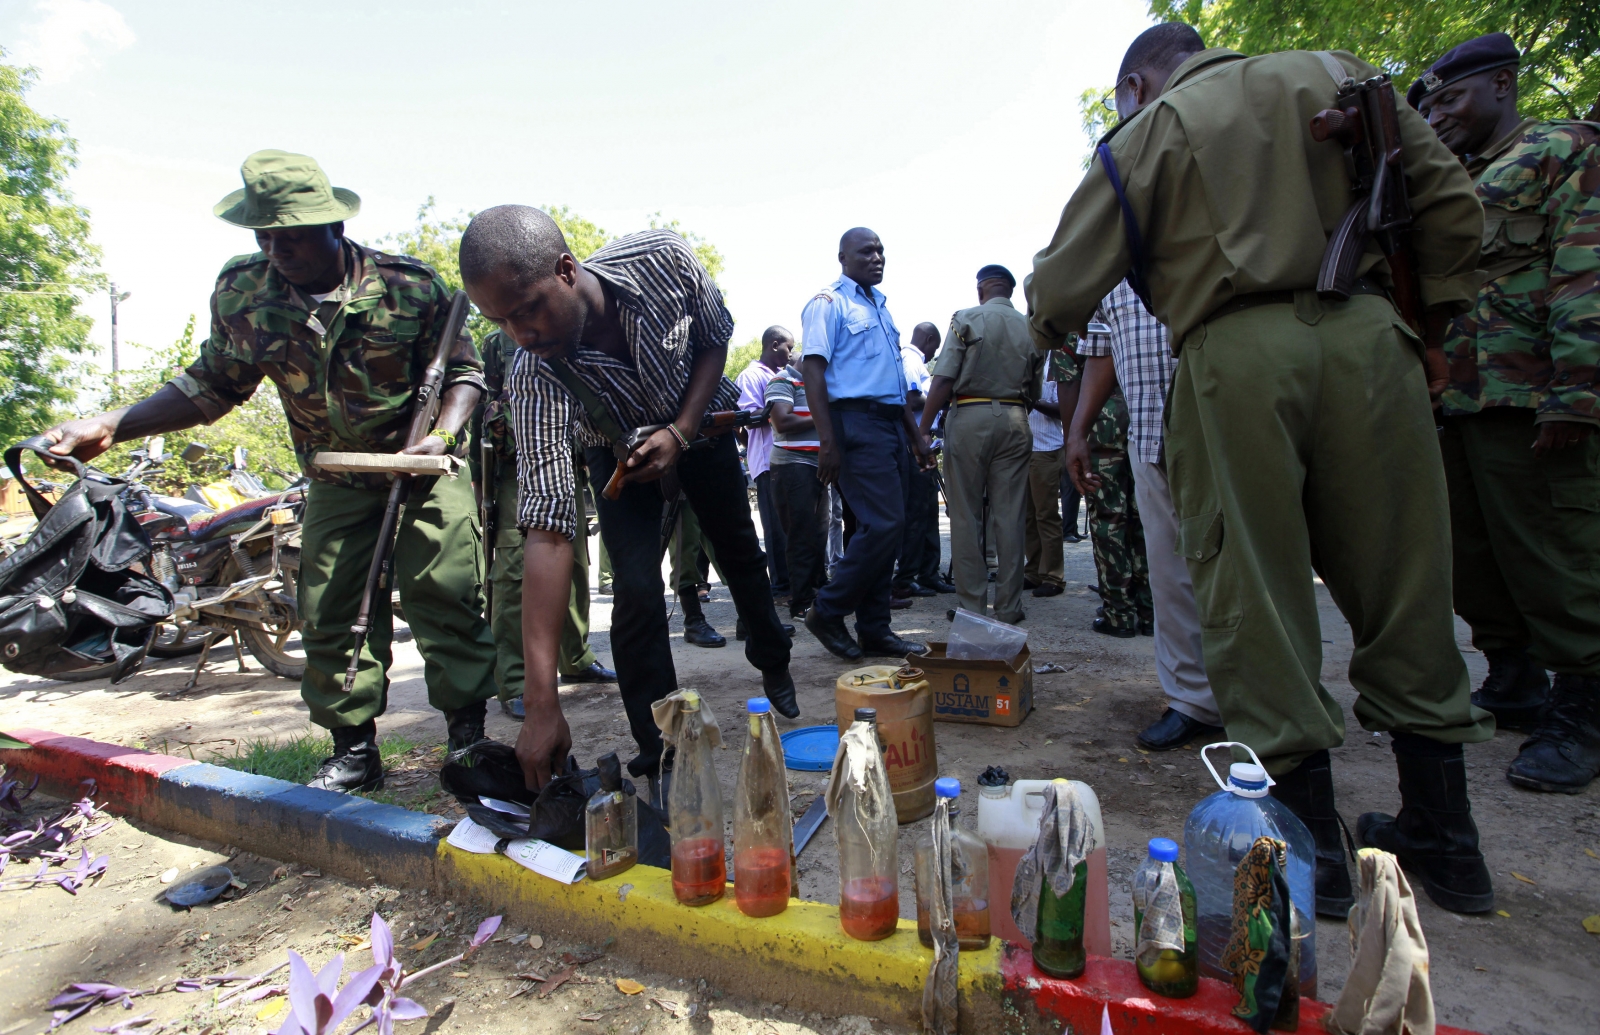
x,y
116,364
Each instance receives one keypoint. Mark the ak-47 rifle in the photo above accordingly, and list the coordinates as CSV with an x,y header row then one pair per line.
x,y
425,410
719,422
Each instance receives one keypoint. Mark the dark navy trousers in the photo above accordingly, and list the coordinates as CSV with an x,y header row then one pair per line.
x,y
874,478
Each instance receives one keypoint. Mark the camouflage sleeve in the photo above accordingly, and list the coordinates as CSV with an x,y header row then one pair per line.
x,y
1574,211
1066,366
464,365
223,376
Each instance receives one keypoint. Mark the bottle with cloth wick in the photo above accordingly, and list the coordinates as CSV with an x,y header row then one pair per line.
x,y
861,802
699,864
763,837
1167,955
969,875
1049,890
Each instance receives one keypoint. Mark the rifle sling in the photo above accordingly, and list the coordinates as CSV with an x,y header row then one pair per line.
x,y
599,416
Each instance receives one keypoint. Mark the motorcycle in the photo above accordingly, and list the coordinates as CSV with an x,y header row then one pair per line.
x,y
233,572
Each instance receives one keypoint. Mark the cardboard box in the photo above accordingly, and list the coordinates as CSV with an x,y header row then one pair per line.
x,y
990,693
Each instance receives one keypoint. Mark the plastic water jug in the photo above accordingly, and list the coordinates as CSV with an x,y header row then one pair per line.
x,y
1216,838
1008,822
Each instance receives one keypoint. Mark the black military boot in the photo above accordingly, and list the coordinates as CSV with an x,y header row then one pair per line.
x,y
355,765
1516,689
1434,836
465,725
1563,754
1308,791
696,629
778,686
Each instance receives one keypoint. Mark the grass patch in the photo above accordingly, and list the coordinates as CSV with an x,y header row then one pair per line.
x,y
296,760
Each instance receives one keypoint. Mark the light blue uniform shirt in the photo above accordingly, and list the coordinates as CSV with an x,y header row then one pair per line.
x,y
859,340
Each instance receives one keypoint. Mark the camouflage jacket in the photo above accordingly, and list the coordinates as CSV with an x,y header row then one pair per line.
x,y
1533,339
345,370
1108,435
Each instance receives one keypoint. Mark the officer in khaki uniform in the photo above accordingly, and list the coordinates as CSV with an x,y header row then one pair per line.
x,y
992,370
1301,435
576,662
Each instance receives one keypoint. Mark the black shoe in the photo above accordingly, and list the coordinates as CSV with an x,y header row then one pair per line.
x,y
1434,836
1095,589
698,631
355,765
1515,691
1030,584
950,615
937,584
741,634
917,589
891,646
899,603
1308,791
595,673
1147,628
1073,537
465,725
1103,625
514,708
1173,730
1563,754
1048,589
779,689
834,637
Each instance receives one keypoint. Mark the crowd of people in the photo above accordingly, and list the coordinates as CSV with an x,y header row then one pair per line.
x,y
1237,427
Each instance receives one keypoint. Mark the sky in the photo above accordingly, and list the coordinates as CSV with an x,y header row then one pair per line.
x,y
952,129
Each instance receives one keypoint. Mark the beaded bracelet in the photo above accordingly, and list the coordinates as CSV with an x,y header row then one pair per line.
x,y
449,439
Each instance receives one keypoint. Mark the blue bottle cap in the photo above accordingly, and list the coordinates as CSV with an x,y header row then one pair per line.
x,y
1163,849
947,787
758,706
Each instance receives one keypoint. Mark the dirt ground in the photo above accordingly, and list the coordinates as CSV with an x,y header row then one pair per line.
x,y
1528,969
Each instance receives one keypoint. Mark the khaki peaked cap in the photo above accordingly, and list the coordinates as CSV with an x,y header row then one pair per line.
x,y
282,189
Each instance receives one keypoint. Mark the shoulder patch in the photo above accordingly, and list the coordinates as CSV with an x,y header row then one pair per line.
x,y
825,295
387,259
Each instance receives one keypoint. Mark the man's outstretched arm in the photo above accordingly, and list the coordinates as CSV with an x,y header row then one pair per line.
x,y
86,438
545,740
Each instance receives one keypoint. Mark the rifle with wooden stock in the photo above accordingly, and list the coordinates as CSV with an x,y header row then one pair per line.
x,y
425,410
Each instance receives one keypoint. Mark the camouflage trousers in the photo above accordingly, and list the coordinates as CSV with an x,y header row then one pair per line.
x,y
1115,532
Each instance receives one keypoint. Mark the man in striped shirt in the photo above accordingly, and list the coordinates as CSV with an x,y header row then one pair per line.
x,y
636,335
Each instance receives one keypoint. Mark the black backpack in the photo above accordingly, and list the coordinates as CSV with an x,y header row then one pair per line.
x,y
70,598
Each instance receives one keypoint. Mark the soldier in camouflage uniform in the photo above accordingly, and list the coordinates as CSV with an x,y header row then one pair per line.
x,y
1116,535
576,662
344,332
1521,456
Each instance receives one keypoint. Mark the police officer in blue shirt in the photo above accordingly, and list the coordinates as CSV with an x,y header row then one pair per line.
x,y
855,384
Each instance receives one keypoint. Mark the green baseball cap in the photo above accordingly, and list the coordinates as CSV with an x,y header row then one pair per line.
x,y
282,190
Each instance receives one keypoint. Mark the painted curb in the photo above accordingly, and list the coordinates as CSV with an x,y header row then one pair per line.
x,y
799,958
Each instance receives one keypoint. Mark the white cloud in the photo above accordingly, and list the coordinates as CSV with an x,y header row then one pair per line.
x,y
66,36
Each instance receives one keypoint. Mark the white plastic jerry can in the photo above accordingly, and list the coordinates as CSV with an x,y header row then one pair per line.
x,y
1008,822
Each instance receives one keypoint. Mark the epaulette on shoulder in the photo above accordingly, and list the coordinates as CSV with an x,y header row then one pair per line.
x,y
825,295
404,261
241,261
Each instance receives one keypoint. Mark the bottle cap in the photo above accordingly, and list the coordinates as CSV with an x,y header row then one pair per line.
x,y
1247,779
1163,849
866,715
758,706
691,699
610,772
947,787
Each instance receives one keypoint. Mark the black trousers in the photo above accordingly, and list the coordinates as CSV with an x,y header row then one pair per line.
x,y
713,482
801,501
922,517
874,466
775,543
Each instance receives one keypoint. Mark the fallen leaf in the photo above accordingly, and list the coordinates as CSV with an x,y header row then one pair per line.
x,y
1049,742
272,1009
312,873
555,981
461,973
1122,760
1525,880
628,986
666,1004
356,941
1592,924
1590,853
535,941
430,939
1502,912
1484,969
168,876
591,1016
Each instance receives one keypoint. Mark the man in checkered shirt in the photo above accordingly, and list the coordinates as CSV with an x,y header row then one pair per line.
x,y
1128,346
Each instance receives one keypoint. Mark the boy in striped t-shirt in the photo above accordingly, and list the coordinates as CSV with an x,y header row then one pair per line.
x,y
802,499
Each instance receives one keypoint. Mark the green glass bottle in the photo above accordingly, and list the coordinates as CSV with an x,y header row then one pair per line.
x,y
1167,972
1058,936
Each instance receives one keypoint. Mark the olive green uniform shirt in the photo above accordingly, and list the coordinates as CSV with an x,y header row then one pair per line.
x,y
1233,197
988,352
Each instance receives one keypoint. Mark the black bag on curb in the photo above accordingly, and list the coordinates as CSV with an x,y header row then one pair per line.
x,y
69,598
489,769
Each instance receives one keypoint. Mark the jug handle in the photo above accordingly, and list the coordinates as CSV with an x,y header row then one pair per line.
x,y
1231,744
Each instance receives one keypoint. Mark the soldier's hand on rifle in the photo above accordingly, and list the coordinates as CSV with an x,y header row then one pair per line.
x,y
652,459
1078,467
1556,435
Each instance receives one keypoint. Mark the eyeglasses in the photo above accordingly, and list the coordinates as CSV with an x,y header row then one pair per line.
x,y
1109,101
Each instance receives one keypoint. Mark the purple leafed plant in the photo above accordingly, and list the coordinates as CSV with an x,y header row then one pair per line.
x,y
51,842
10,799
78,999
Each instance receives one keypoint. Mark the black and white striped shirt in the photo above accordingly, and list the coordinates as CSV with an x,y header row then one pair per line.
x,y
671,312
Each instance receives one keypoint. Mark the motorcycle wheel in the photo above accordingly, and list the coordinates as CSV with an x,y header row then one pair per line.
x,y
175,641
279,649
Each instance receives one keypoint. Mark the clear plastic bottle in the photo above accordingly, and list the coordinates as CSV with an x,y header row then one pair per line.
x,y
611,824
1169,972
969,873
699,868
869,860
763,837
1216,837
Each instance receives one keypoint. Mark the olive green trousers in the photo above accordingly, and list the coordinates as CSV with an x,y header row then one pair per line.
x,y
438,568
505,585
987,448
1526,533
1301,442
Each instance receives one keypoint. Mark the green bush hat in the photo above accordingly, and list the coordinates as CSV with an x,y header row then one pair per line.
x,y
282,190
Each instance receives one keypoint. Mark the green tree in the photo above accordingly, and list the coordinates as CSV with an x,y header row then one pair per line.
x,y
46,261
1559,39
704,250
741,356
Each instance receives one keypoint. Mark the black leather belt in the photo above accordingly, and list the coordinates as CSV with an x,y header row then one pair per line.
x,y
888,411
1237,303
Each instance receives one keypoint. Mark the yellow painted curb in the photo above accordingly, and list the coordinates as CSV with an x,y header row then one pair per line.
x,y
800,957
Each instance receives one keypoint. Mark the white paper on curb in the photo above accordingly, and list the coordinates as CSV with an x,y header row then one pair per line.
x,y
470,837
547,860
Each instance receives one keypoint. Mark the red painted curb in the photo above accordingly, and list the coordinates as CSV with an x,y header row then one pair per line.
x,y
1114,984
125,777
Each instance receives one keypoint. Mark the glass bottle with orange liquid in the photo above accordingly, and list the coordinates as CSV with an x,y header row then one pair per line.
x,y
862,805
969,876
763,837
699,869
